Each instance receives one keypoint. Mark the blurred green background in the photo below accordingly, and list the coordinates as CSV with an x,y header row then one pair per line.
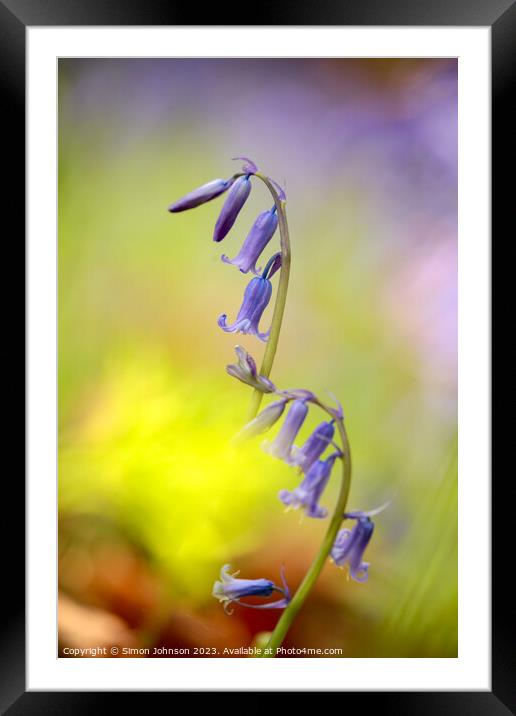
x,y
153,499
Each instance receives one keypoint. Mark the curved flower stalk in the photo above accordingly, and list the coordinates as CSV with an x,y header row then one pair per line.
x,y
316,458
343,546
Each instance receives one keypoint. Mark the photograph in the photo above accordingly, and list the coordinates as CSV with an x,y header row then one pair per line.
x,y
257,357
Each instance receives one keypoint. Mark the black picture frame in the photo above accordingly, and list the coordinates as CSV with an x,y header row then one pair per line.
x,y
500,16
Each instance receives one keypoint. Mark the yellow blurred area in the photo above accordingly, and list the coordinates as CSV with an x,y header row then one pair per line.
x,y
153,454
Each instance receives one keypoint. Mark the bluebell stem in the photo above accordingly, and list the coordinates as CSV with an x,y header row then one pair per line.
x,y
201,195
246,371
281,447
256,298
230,590
232,207
314,447
309,492
261,233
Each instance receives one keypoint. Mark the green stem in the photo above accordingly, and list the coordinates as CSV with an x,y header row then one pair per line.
x,y
281,294
313,573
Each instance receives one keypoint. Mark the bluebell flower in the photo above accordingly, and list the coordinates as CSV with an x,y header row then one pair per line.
x,y
281,447
314,446
309,492
263,421
232,206
256,298
201,195
246,371
350,545
261,233
230,590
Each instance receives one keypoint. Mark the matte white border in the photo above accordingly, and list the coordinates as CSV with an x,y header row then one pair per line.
x,y
471,670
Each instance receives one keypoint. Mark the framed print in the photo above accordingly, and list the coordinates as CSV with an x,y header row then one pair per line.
x,y
258,366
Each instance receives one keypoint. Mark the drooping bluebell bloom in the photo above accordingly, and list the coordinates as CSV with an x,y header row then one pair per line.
x,y
281,447
256,298
201,195
229,590
314,446
246,371
350,545
263,421
261,233
232,206
309,492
